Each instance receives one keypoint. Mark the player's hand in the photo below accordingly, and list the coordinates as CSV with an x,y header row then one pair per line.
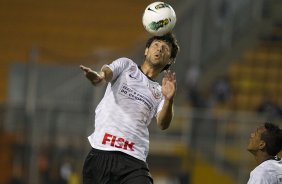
x,y
95,77
169,84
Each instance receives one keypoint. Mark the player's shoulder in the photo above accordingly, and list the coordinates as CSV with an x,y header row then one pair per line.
x,y
127,63
127,60
264,167
264,173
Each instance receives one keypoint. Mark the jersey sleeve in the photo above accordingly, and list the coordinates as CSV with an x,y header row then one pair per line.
x,y
257,179
118,66
160,106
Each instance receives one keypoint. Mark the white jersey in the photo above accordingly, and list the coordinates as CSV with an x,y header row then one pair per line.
x,y
268,172
130,102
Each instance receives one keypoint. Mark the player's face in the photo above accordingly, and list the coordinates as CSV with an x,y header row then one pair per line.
x,y
255,142
158,54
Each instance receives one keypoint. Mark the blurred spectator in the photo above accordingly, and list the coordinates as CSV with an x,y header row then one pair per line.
x,y
16,180
192,76
221,90
193,94
17,177
18,169
266,9
43,162
74,177
56,177
65,170
269,108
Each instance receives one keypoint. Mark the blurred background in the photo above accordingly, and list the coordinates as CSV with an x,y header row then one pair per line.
x,y
229,73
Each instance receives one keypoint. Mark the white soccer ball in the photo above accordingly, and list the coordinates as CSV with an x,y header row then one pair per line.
x,y
159,18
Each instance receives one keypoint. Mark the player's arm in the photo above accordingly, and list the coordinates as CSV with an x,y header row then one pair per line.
x,y
165,116
97,78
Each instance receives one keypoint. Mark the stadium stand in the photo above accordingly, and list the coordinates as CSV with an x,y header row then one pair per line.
x,y
66,31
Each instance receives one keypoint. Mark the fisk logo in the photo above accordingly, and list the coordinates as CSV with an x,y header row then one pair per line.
x,y
118,142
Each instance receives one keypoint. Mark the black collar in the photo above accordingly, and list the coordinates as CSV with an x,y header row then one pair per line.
x,y
145,74
274,158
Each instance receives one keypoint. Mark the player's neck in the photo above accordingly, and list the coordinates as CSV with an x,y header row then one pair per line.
x,y
262,156
150,72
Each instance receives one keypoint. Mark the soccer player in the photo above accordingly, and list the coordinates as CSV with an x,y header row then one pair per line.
x,y
120,141
265,144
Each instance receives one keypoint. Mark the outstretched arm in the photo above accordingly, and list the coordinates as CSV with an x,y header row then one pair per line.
x,y
165,116
96,78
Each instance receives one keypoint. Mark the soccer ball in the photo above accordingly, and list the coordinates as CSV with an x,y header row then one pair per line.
x,y
159,18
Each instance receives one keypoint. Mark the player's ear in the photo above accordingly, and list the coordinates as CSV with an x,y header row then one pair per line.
x,y
146,51
262,144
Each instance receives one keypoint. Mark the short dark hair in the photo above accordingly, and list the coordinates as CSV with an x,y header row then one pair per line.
x,y
169,38
273,138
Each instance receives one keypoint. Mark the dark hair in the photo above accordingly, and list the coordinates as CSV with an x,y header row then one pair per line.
x,y
169,38
273,138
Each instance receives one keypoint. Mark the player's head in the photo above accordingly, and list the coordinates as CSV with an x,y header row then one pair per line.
x,y
171,40
273,139
267,138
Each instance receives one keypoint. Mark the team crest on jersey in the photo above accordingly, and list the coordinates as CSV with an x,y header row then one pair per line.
x,y
155,91
132,68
